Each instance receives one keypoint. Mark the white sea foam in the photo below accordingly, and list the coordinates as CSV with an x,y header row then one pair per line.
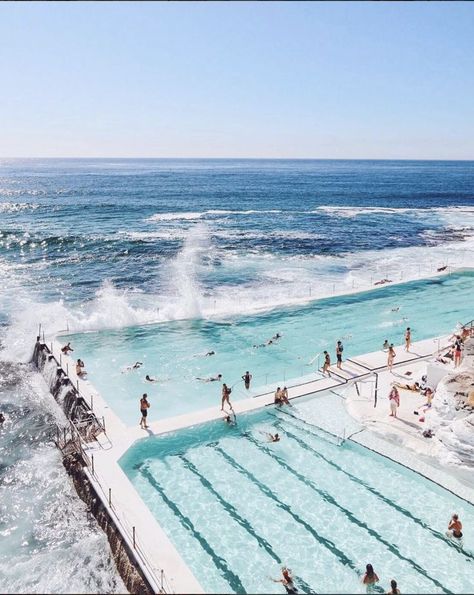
x,y
174,216
16,207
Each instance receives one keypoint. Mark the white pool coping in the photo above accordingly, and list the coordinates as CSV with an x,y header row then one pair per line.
x,y
131,511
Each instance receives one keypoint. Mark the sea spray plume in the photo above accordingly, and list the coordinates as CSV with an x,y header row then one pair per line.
x,y
184,272
111,308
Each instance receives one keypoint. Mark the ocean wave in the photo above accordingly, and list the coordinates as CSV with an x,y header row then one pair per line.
x,y
174,216
354,211
16,207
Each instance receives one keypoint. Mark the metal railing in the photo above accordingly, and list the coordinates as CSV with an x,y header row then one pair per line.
x,y
70,436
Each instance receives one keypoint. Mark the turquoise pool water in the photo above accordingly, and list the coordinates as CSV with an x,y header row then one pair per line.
x,y
174,352
237,507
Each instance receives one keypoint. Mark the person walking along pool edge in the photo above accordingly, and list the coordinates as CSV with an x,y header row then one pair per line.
x,y
144,406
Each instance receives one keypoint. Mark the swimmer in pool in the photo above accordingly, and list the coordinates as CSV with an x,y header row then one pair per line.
x,y
135,366
273,437
385,345
211,378
454,527
396,309
149,379
286,580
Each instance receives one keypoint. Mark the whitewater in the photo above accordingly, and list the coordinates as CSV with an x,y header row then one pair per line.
x,y
94,244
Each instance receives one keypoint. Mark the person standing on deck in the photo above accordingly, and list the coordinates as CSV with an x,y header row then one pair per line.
x,y
226,397
390,356
394,398
457,351
247,377
327,363
339,350
144,406
407,339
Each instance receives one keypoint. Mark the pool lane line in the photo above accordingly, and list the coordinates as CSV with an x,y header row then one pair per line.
x,y
230,509
330,500
368,487
221,564
372,490
242,522
308,423
343,559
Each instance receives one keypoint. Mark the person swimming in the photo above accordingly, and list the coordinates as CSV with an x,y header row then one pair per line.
x,y
286,580
386,345
210,379
273,437
149,379
370,578
135,366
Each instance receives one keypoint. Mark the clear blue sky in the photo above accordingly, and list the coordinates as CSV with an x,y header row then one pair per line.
x,y
243,79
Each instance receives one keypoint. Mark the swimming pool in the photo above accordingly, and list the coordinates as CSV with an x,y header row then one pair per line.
x,y
237,507
174,352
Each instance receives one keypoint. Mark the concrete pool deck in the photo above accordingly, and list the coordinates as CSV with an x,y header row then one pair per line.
x,y
117,493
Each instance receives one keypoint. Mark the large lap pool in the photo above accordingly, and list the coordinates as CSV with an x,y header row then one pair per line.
x,y
238,507
174,352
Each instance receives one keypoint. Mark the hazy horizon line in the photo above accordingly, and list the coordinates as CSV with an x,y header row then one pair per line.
x,y
242,158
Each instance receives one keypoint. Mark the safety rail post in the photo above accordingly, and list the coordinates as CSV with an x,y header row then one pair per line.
x,y
133,533
92,403
110,497
103,422
67,369
92,464
376,389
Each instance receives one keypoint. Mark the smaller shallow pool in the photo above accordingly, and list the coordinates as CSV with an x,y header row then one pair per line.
x,y
237,507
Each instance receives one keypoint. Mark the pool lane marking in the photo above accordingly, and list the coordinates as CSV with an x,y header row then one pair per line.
x,y
343,559
230,509
221,564
242,522
371,489
328,498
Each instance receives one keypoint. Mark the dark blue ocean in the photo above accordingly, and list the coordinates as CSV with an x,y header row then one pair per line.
x,y
87,244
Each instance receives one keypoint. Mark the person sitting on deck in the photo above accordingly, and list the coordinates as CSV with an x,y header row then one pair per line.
x,y
80,368
284,397
278,400
66,349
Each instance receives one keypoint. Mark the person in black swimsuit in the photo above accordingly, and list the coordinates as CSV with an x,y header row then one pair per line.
x,y
144,406
247,377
